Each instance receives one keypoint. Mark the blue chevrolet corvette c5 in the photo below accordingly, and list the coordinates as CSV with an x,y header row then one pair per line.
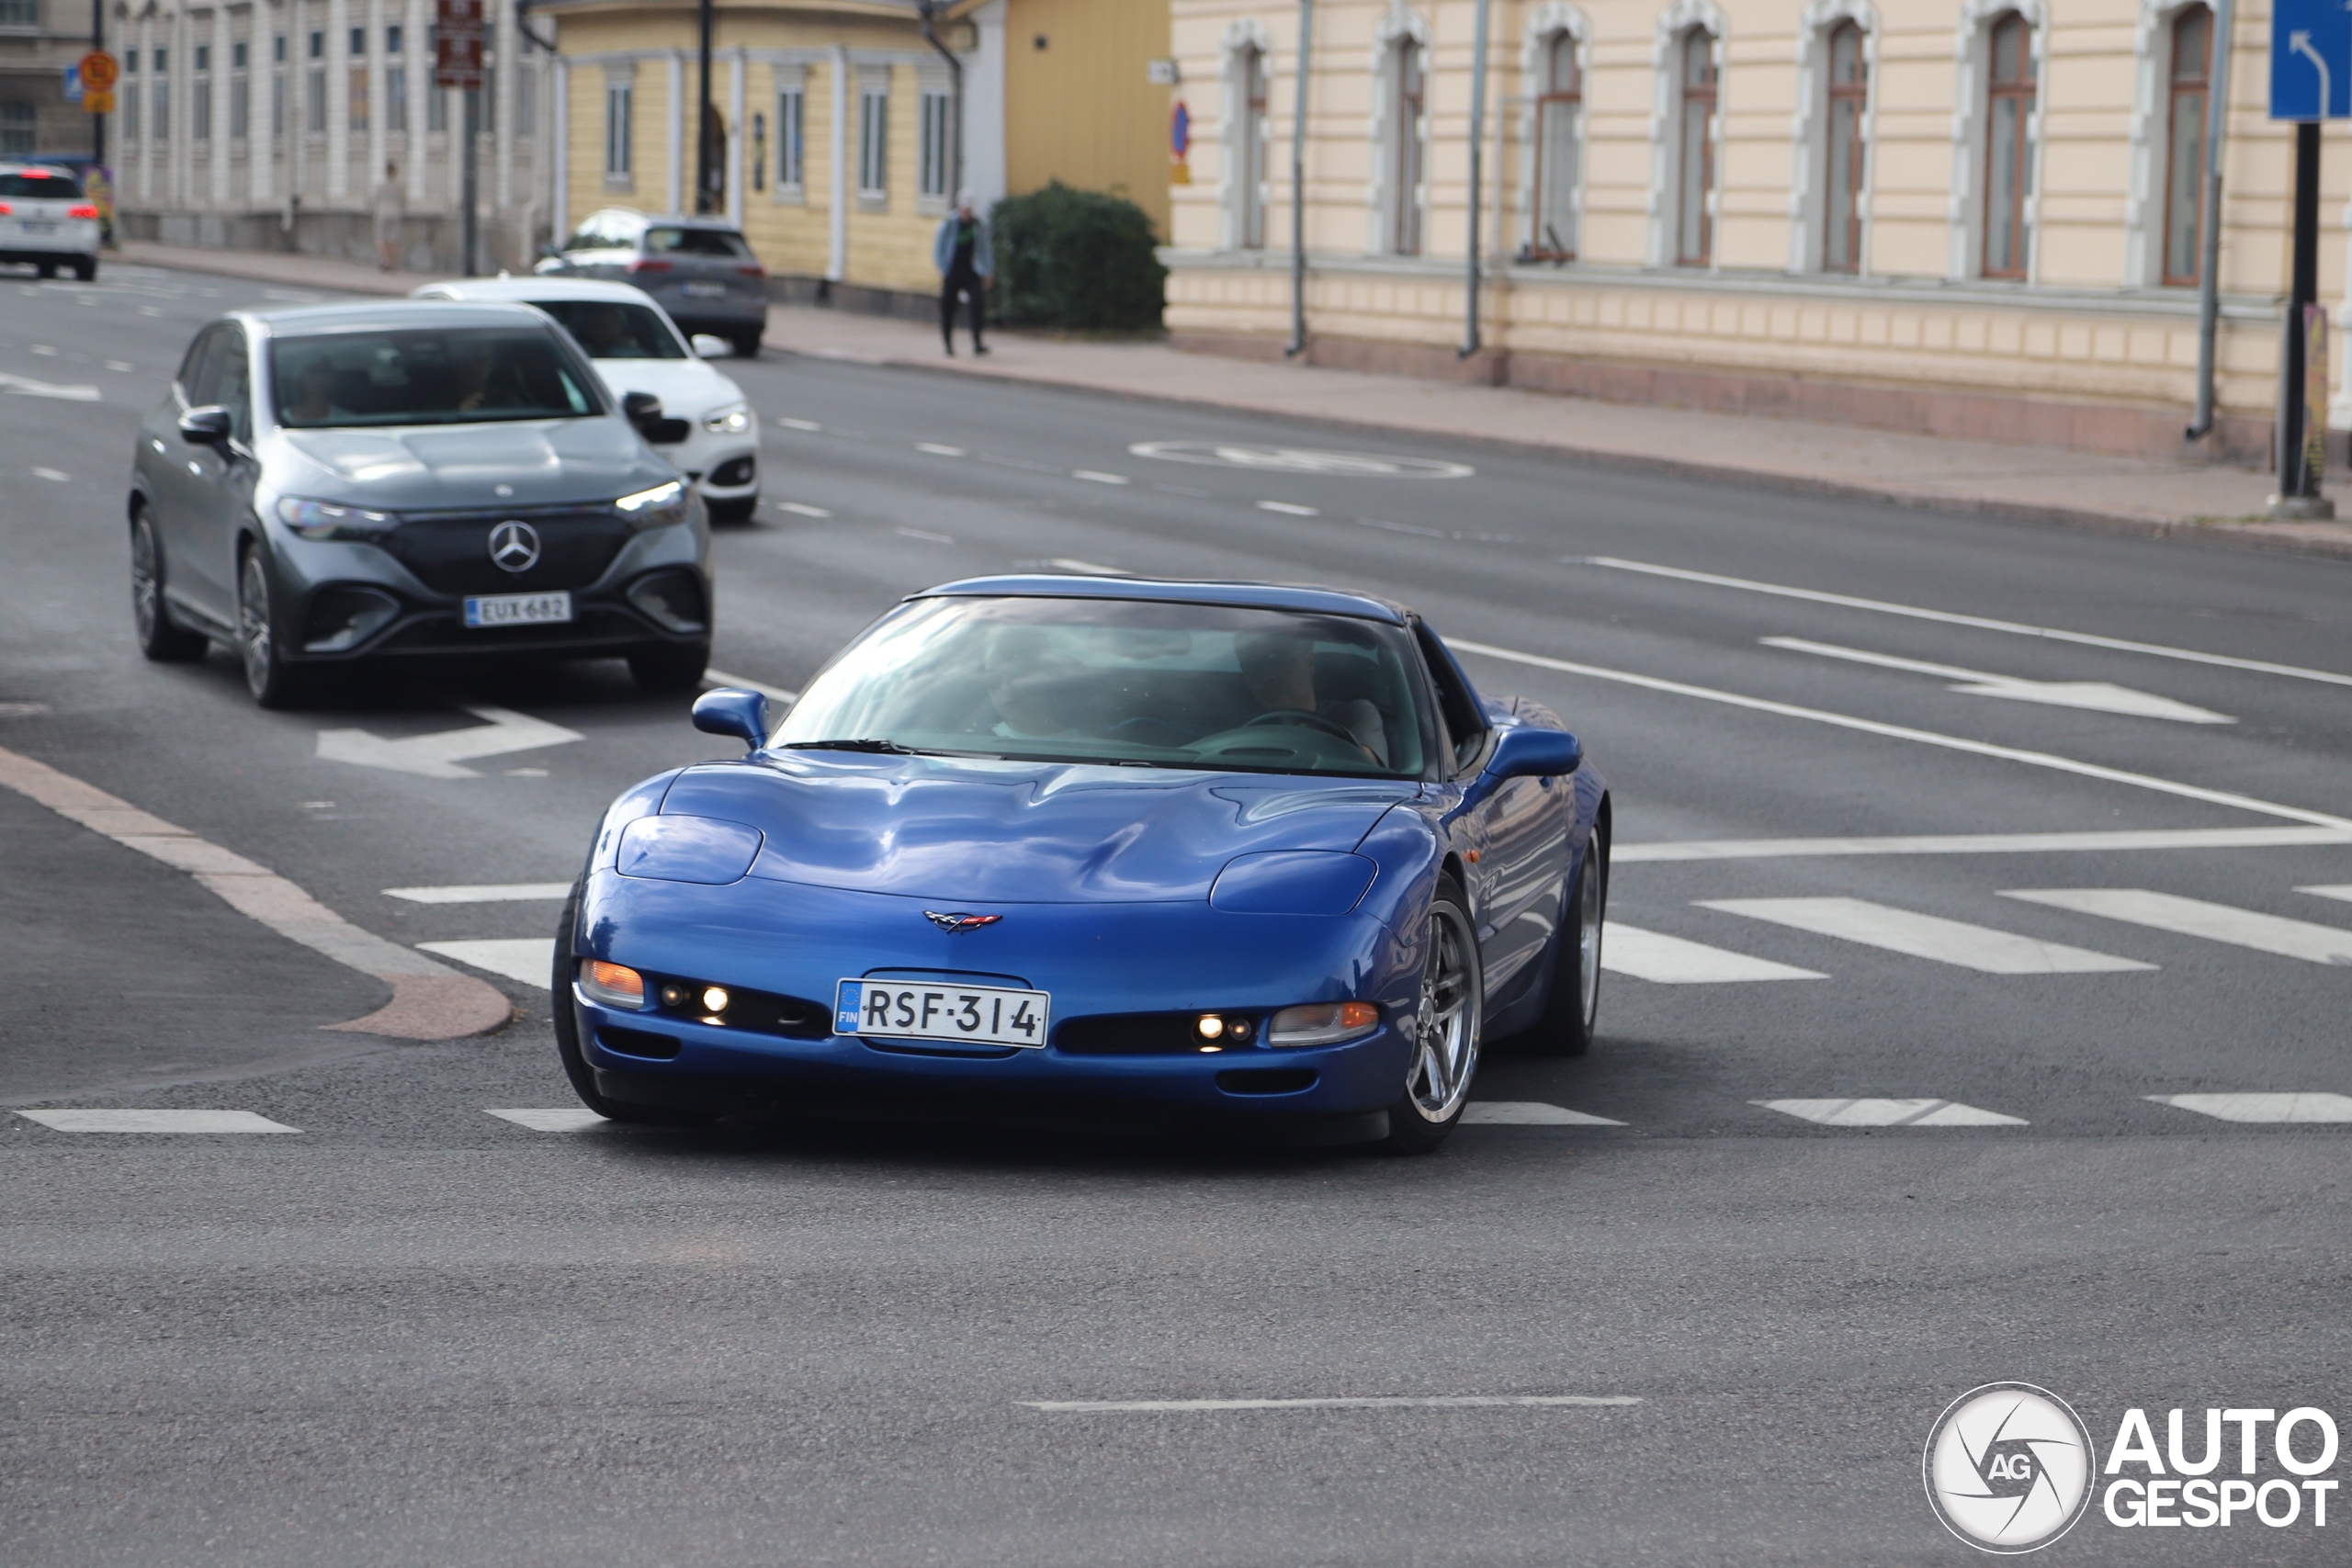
x,y
1102,852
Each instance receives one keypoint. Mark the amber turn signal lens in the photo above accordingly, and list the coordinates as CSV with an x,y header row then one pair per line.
x,y
615,985
1322,1023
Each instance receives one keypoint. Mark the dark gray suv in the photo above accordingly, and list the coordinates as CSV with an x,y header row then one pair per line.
x,y
331,483
700,270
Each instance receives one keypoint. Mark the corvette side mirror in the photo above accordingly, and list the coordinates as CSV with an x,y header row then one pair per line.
x,y
743,714
1526,752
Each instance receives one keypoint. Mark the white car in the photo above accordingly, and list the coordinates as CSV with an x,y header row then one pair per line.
x,y
46,221
635,348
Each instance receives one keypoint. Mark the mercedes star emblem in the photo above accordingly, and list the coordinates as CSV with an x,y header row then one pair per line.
x,y
514,546
959,922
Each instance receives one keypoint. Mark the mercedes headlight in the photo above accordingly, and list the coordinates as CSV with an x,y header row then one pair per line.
x,y
732,419
329,520
655,508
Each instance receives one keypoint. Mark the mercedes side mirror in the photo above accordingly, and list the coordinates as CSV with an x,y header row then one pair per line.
x,y
207,426
743,714
1523,752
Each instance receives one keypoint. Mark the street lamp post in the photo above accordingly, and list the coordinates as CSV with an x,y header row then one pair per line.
x,y
703,154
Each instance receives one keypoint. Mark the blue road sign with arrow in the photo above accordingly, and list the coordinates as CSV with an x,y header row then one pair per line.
x,y
2310,60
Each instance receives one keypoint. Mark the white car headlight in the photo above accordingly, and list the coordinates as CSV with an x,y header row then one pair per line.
x,y
732,419
663,504
328,520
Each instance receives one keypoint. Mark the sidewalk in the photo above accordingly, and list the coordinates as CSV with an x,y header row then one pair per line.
x,y
2217,504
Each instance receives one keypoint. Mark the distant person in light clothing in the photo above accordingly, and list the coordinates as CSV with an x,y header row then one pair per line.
x,y
960,251
392,206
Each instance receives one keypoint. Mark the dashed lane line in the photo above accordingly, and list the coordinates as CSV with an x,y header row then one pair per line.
x,y
1290,509
430,1001
1439,1402
802,509
1979,623
2126,839
1904,732
1671,960
1096,475
925,535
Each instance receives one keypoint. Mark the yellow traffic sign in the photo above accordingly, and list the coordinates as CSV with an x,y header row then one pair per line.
x,y
99,71
98,103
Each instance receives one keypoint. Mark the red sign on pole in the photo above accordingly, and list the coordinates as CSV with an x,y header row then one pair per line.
x,y
456,43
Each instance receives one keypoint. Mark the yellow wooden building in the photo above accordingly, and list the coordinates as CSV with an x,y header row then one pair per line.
x,y
835,121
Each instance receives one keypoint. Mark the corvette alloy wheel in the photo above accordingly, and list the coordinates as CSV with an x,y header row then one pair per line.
x,y
1589,895
1445,1030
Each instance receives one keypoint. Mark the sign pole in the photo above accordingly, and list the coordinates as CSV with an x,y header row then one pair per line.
x,y
465,237
2302,429
98,46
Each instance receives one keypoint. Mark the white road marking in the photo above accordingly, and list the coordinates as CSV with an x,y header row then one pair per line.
x,y
2195,917
529,959
526,772
1087,568
1098,477
1443,1401
567,1119
926,534
802,509
120,364
43,348
2100,696
722,678
1528,1113
2342,890
430,1001
797,424
1289,509
1981,623
156,1122
23,710
32,388
936,450
1904,732
2262,1107
1955,943
1413,528
442,754
1670,961
1890,1114
1302,460
1983,843
482,893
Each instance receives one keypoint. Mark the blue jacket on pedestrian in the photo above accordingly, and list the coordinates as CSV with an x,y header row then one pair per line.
x,y
943,247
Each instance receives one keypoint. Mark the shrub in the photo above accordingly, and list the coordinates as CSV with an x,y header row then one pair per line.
x,y
1075,258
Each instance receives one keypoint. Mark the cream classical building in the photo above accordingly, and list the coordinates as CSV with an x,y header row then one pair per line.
x,y
1972,216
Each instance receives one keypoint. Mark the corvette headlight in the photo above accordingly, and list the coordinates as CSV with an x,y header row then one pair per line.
x,y
732,419
655,508
329,520
1322,1023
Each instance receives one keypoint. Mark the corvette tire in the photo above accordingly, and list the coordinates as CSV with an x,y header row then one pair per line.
x,y
1572,1015
160,639
1445,1030
567,1041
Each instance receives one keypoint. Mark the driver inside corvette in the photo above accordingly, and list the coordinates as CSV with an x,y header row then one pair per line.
x,y
1279,670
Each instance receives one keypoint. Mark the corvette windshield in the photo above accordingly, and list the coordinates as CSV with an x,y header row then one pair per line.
x,y
1123,680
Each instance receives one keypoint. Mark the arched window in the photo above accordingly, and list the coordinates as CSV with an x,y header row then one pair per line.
x,y
1694,241
2008,147
2192,65
1849,91
1250,199
1405,125
1556,149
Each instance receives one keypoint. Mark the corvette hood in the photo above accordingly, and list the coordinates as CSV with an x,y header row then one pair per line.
x,y
983,832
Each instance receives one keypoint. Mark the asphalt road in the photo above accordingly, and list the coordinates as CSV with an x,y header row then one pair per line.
x,y
413,1332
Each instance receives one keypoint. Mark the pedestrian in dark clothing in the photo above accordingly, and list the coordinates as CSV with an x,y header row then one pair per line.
x,y
960,251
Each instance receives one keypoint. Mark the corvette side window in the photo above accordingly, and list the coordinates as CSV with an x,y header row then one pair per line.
x,y
1465,724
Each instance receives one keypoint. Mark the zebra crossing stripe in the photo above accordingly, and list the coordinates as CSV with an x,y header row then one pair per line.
x,y
1925,936
2195,917
2341,890
1890,1114
1671,960
2262,1107
1528,1113
561,1119
156,1122
529,959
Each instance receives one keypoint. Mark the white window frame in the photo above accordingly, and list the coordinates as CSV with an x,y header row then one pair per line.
x,y
1241,188
874,137
2143,208
1400,29
620,126
1665,130
1972,50
935,145
790,156
1808,194
1549,21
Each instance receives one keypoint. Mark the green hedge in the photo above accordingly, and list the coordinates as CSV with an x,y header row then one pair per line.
x,y
1075,258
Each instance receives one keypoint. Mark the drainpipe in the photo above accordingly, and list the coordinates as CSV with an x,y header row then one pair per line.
x,y
1298,187
930,10
1477,150
2208,267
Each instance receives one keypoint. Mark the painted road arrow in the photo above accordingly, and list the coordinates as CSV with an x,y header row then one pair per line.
x,y
2098,695
439,756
